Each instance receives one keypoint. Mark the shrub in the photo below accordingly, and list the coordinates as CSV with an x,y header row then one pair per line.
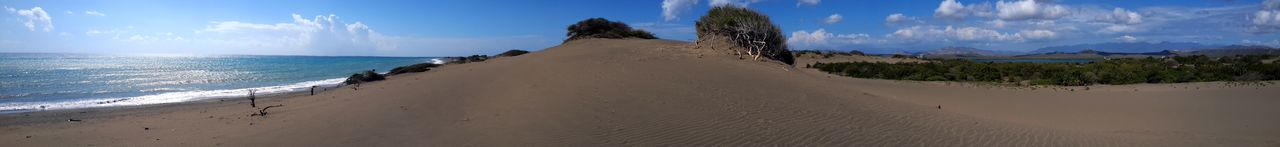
x,y
856,52
745,28
511,53
603,28
1114,71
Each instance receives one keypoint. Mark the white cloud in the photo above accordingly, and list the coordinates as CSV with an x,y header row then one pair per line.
x,y
352,28
950,9
11,9
808,2
1127,38
732,2
834,18
1113,29
1267,20
899,18
316,33
1037,34
821,37
1122,16
69,12
1030,9
94,13
1272,43
971,34
671,9
33,17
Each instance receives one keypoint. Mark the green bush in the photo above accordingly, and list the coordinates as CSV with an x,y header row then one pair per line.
x,y
738,23
512,53
603,28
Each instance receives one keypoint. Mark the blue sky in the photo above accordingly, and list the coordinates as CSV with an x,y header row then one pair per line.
x,y
464,27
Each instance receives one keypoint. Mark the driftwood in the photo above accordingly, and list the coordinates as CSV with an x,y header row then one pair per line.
x,y
263,111
253,99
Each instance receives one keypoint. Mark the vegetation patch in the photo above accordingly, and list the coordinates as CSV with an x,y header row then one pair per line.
x,y
752,32
603,28
511,53
1198,68
367,76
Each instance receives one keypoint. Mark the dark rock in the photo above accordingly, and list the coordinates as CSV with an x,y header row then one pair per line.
x,y
367,76
421,67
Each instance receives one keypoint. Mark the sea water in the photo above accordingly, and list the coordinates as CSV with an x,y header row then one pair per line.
x,y
39,81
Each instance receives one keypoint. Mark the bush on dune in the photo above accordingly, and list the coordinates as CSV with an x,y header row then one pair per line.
x,y
1177,69
603,28
745,28
511,53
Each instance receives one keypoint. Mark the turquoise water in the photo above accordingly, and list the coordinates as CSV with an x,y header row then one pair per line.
x,y
30,82
1036,60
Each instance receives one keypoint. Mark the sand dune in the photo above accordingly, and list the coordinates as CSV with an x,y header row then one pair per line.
x,y
662,93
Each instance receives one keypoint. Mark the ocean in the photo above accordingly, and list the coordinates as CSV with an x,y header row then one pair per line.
x,y
40,81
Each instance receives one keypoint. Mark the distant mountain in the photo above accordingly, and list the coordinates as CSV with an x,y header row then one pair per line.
x,y
1097,54
965,52
1137,47
1233,50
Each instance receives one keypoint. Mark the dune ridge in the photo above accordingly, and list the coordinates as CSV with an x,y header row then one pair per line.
x,y
631,92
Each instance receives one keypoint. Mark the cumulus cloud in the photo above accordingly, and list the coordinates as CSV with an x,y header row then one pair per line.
x,y
732,2
319,32
808,2
671,9
1266,17
1122,16
834,18
1266,20
1127,38
94,13
899,18
1269,15
950,9
1030,9
972,34
33,18
821,37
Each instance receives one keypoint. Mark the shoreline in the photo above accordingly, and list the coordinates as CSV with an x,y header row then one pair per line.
x,y
86,114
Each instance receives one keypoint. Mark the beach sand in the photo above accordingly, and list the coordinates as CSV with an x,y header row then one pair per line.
x,y
601,92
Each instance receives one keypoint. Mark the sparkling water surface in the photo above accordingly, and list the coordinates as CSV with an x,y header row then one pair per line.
x,y
38,81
